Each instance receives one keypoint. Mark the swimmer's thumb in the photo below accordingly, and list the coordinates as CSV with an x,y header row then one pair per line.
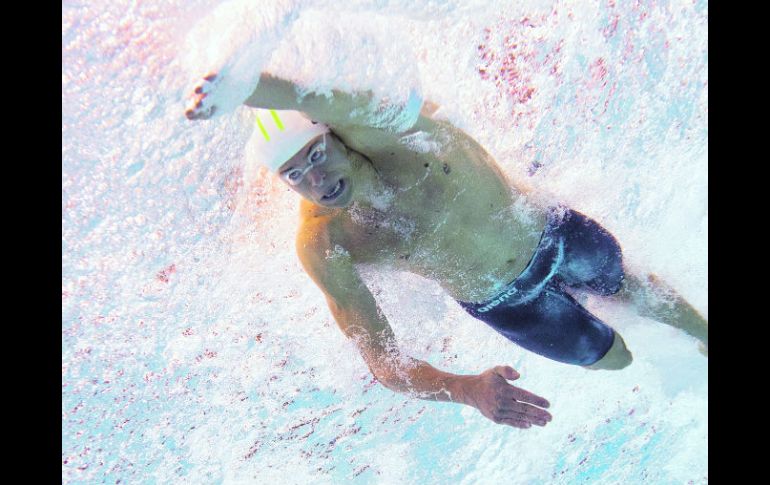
x,y
508,372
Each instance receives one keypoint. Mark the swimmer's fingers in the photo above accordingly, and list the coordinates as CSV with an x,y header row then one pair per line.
x,y
518,418
519,394
201,106
525,412
516,423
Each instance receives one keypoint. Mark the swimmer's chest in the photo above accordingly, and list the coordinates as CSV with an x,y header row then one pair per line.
x,y
448,223
442,197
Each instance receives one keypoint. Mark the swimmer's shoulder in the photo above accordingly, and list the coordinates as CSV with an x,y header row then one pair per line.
x,y
321,249
317,215
319,227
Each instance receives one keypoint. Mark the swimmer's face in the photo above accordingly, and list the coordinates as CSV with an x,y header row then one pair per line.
x,y
321,172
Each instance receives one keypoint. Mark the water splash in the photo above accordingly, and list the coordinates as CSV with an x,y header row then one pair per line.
x,y
195,348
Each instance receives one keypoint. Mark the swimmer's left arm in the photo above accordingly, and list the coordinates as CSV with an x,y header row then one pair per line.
x,y
273,92
342,108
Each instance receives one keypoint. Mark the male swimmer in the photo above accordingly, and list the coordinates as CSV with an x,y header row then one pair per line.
x,y
447,215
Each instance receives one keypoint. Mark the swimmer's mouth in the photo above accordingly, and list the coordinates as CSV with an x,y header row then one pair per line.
x,y
334,192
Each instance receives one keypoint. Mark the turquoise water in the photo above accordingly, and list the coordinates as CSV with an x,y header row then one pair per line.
x,y
194,347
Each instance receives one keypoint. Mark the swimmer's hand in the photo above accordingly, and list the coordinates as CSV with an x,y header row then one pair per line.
x,y
233,43
490,393
201,108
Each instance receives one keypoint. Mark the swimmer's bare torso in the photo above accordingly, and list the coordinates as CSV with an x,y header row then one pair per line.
x,y
445,210
447,213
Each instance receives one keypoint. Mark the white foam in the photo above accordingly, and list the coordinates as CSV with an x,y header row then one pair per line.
x,y
235,41
194,347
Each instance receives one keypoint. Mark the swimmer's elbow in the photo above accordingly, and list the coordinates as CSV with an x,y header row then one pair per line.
x,y
386,374
384,378
387,382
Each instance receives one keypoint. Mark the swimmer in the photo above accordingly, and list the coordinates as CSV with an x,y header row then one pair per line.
x,y
445,214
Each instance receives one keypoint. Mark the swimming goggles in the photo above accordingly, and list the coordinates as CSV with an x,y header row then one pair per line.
x,y
316,157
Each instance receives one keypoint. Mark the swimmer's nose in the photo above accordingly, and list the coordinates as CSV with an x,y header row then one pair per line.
x,y
316,177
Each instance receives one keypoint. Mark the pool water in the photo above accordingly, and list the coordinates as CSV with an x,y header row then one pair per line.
x,y
194,347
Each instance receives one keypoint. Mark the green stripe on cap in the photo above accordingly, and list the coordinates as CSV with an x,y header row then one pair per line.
x,y
276,119
262,129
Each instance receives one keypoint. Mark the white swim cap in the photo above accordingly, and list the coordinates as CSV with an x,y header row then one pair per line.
x,y
280,134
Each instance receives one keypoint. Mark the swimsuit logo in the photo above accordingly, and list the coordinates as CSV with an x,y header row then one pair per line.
x,y
497,301
530,288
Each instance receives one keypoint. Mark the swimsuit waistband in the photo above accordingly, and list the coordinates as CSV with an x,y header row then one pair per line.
x,y
539,271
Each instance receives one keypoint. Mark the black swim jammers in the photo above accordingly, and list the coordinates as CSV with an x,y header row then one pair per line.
x,y
536,313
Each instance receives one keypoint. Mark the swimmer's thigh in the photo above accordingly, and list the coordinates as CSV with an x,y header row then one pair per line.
x,y
555,326
592,256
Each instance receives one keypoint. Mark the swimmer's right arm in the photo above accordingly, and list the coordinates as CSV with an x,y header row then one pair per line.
x,y
360,319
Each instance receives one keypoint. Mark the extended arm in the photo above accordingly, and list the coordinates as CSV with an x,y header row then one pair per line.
x,y
358,316
340,109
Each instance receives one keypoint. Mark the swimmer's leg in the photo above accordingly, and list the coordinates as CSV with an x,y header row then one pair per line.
x,y
593,259
616,358
554,325
653,298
